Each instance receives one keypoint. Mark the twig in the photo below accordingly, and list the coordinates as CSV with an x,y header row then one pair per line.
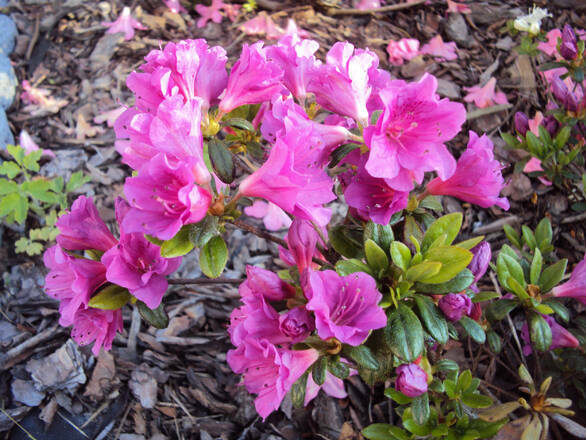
x,y
259,233
573,242
390,8
34,38
487,111
205,281
5,360
133,332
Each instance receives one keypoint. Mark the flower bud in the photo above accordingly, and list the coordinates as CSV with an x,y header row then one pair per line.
x,y
521,123
411,380
481,259
455,305
296,324
559,89
302,239
551,125
571,102
569,46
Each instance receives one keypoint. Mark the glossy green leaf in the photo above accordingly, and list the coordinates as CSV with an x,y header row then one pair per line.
x,y
552,275
319,370
340,153
347,241
528,237
213,257
512,235
423,271
432,318
376,257
346,267
221,160
497,310
404,333
297,392
158,318
420,409
507,266
540,332
460,282
382,235
453,260
338,368
377,431
398,396
178,245
401,255
473,329
362,355
111,297
536,265
239,123
476,400
485,296
494,341
448,224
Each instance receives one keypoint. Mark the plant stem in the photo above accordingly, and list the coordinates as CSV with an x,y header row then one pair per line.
x,y
184,281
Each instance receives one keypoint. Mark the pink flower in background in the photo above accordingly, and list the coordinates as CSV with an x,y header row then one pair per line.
x,y
175,6
209,13
403,50
97,326
333,386
560,337
460,8
253,79
345,308
342,84
411,380
455,305
409,136
72,281
109,116
297,60
273,217
549,47
83,229
125,23
136,263
367,4
188,67
268,371
477,179
232,11
263,282
534,164
535,123
437,48
262,24
486,95
26,141
575,287
164,198
39,100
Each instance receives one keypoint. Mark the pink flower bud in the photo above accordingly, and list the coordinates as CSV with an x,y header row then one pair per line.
x,y
521,123
296,324
569,47
411,380
455,305
302,240
481,259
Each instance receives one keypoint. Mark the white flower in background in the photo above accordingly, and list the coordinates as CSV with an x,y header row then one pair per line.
x,y
531,23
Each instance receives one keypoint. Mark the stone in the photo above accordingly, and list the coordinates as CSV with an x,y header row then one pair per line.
x,y
6,136
8,83
24,391
8,35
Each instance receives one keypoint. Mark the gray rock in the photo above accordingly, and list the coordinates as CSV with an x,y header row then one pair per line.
x,y
7,82
457,30
8,35
6,136
24,392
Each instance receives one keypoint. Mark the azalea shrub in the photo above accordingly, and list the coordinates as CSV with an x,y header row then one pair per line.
x,y
554,137
378,293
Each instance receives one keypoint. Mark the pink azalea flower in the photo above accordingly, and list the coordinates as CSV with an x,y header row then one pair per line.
x,y
189,68
296,324
575,287
535,123
455,305
175,130
268,371
232,11
109,116
39,100
83,229
262,282
345,307
262,24
297,60
560,337
333,386
460,8
136,263
209,13
164,198
273,217
437,48
125,23
534,164
549,47
26,141
477,178
367,4
409,136
253,79
372,197
175,6
72,281
342,84
294,30
486,95
411,380
97,326
403,50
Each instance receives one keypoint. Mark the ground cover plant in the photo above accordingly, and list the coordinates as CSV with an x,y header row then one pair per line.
x,y
382,293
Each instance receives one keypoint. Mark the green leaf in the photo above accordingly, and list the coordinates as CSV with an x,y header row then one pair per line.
x,y
497,310
447,365
239,123
213,257
382,235
31,160
412,426
512,235
398,396
401,255
7,186
362,355
411,228
516,288
340,153
535,146
528,237
448,224
498,412
470,243
453,260
559,309
510,140
346,241
319,370
431,202
404,333
551,275
76,180
562,137
485,296
377,431
536,266
297,392
178,245
221,160
14,204
476,400
111,297
16,152
420,409
376,257
540,332
460,282
494,341
464,380
156,317
432,319
507,266
338,369
473,329
423,271
200,233
346,267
